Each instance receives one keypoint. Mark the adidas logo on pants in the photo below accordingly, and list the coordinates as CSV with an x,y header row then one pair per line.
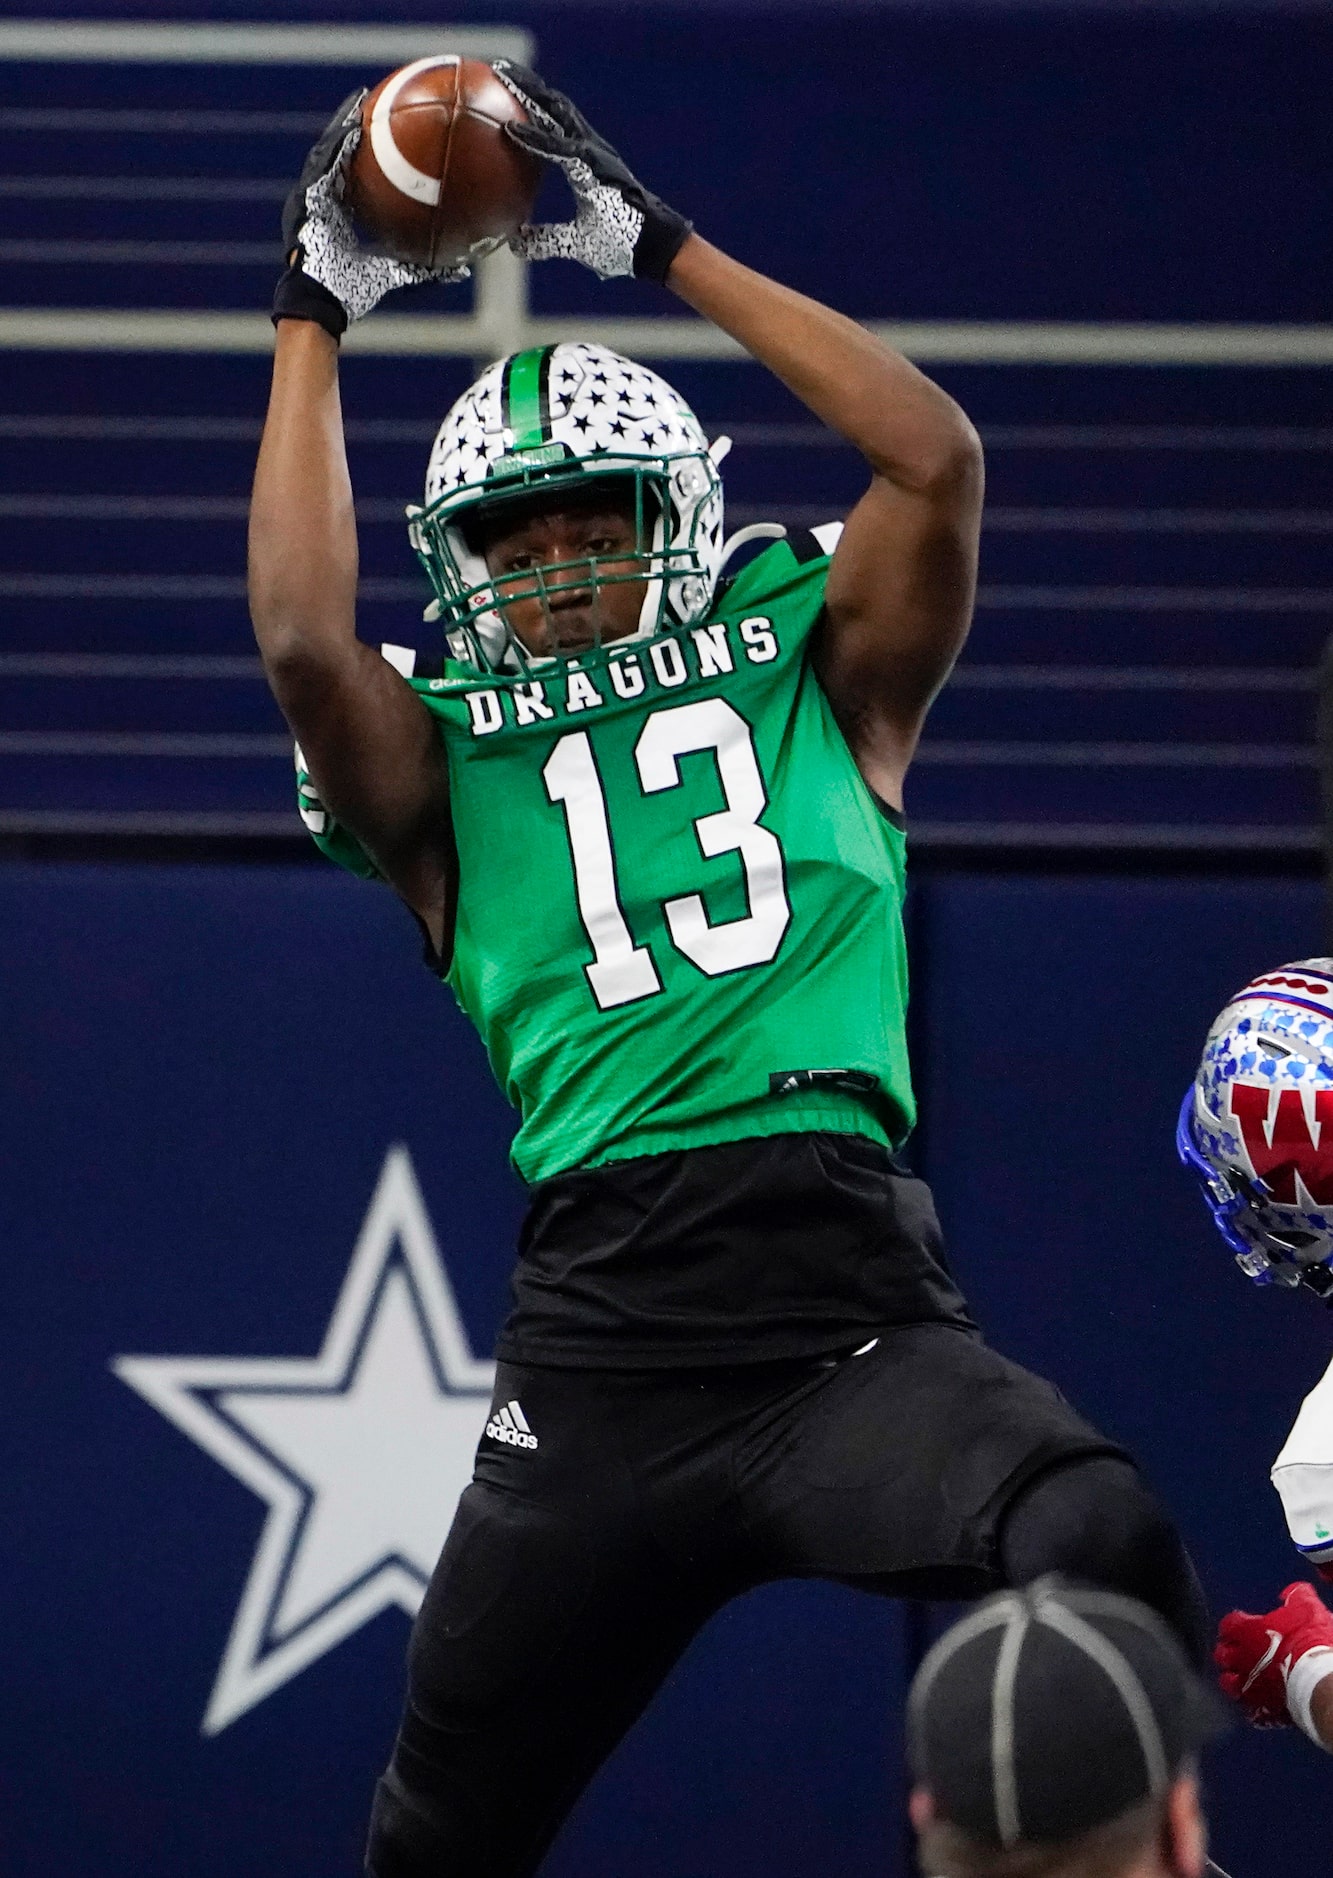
x,y
510,1425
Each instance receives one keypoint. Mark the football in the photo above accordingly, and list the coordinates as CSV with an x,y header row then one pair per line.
x,y
434,177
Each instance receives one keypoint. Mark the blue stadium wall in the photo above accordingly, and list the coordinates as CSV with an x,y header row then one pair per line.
x,y
209,1055
205,1067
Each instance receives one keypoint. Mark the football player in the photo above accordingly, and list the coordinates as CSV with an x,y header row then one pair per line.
x,y
649,817
1256,1126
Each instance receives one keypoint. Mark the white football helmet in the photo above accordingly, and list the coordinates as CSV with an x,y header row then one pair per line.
x,y
1257,1125
549,418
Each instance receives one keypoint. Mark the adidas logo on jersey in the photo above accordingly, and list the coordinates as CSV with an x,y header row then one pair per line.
x,y
510,1425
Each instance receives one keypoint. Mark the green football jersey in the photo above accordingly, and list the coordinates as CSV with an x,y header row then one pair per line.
x,y
680,907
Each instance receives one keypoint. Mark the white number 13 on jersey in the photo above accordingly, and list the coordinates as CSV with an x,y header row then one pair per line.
x,y
622,972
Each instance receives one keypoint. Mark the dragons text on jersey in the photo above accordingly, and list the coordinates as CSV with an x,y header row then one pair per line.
x,y
679,916
662,665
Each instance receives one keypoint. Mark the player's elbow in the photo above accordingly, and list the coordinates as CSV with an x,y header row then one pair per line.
x,y
285,640
939,456
951,457
301,658
302,593
300,624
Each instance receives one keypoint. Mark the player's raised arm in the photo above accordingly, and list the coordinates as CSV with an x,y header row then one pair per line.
x,y
368,741
903,579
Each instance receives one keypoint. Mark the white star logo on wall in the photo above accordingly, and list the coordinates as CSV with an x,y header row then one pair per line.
x,y
361,1452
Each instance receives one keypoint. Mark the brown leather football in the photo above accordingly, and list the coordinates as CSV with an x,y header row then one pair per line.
x,y
434,173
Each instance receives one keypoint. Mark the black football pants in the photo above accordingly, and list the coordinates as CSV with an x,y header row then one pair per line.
x,y
614,1512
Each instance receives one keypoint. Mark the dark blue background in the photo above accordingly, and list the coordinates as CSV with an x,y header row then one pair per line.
x,y
203,1068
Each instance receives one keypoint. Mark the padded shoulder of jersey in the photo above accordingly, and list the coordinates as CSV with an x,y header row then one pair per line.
x,y
802,555
814,544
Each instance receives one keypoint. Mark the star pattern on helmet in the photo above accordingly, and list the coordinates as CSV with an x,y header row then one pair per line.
x,y
599,401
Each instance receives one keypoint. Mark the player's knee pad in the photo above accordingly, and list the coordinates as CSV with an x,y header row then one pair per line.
x,y
1093,1518
510,1585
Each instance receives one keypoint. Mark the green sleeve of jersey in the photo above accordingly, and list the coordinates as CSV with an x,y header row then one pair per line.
x,y
329,836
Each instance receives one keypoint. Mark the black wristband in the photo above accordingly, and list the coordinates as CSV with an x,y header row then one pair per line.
x,y
661,239
297,297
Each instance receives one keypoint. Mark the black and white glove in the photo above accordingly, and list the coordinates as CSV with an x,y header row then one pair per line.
x,y
330,278
618,227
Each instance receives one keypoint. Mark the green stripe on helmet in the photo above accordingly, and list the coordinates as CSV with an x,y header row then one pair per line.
x,y
526,397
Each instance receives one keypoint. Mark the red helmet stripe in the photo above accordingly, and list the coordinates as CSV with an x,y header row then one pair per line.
x,y
1285,997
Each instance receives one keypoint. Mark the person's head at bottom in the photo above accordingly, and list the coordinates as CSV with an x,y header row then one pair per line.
x,y
1052,1734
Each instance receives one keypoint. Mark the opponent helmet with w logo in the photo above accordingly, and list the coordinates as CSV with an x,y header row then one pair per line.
x,y
1257,1126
